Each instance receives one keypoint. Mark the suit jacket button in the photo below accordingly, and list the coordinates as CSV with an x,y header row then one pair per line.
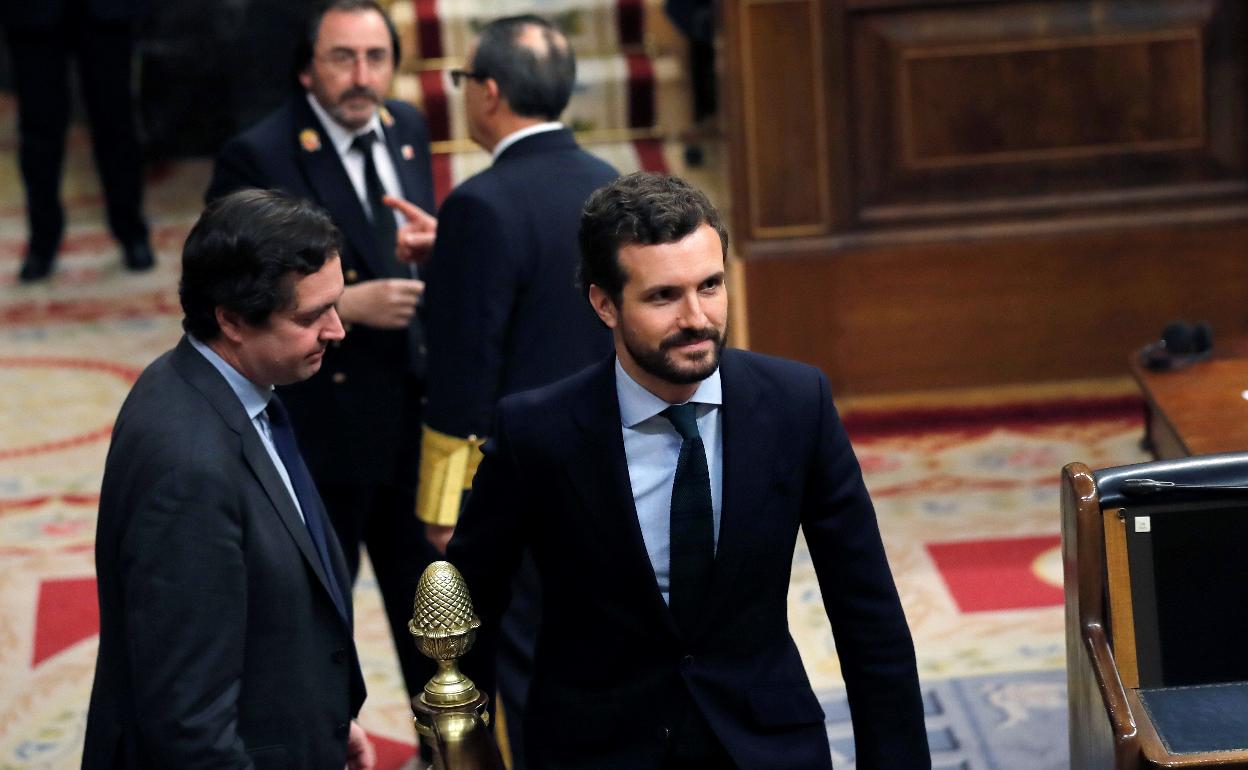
x,y
351,276
339,656
666,733
342,730
339,378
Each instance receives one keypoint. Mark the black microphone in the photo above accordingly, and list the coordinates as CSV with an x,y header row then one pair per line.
x,y
1151,487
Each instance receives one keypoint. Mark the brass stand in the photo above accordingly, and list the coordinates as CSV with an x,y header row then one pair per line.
x,y
451,711
460,736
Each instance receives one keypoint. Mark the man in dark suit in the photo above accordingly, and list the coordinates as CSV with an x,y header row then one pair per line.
x,y
342,146
99,35
502,309
661,492
225,611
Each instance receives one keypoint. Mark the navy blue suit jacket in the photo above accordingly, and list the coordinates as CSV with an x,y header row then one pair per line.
x,y
610,660
502,309
352,415
220,645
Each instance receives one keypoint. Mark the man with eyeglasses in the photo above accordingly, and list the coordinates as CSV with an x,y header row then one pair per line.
x,y
342,145
502,310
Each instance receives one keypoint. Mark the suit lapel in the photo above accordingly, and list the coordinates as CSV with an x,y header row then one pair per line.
x,y
209,382
262,466
748,441
329,181
598,468
405,167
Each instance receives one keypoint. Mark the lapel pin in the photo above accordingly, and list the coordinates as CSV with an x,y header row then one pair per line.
x,y
408,152
310,140
386,118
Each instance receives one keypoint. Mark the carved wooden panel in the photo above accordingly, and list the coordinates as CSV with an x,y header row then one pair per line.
x,y
933,193
985,110
782,82
1156,101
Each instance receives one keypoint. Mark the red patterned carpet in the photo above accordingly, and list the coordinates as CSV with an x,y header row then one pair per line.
x,y
967,499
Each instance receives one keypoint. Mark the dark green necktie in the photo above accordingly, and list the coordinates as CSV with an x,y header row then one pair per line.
x,y
693,522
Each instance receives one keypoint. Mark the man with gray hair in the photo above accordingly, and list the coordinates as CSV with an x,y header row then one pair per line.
x,y
502,311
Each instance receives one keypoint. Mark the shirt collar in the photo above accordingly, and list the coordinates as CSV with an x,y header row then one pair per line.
x,y
638,404
524,133
339,135
253,397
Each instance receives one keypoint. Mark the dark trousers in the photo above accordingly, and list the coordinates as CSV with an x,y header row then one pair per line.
x,y
102,52
383,519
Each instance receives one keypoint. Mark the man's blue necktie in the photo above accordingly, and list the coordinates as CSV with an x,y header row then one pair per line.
x,y
309,499
692,522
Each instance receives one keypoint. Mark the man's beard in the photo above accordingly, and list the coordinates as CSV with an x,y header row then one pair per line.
x,y
659,362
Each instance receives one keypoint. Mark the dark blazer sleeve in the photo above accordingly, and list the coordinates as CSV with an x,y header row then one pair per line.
x,y
472,278
872,638
489,539
494,527
185,610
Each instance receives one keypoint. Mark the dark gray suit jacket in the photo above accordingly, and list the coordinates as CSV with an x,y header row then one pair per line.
x,y
219,643
612,668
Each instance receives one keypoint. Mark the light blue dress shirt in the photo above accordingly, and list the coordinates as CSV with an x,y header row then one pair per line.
x,y
652,447
254,399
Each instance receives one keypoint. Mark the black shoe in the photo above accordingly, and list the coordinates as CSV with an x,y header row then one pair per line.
x,y
139,257
35,267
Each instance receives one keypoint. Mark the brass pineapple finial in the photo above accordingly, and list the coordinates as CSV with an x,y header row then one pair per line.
x,y
444,626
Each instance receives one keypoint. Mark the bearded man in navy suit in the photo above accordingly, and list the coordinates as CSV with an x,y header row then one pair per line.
x,y
339,143
661,492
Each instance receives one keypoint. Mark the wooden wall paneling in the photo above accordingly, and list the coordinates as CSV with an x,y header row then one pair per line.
x,y
783,117
970,192
1044,108
838,66
935,315
1147,95
1227,83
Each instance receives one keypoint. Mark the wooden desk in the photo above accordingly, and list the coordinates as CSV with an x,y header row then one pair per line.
x,y
1197,410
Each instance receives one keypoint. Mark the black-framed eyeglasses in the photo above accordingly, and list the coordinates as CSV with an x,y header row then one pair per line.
x,y
458,76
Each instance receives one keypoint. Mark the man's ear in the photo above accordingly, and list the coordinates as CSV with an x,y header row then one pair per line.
x,y
494,97
305,77
231,324
604,306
